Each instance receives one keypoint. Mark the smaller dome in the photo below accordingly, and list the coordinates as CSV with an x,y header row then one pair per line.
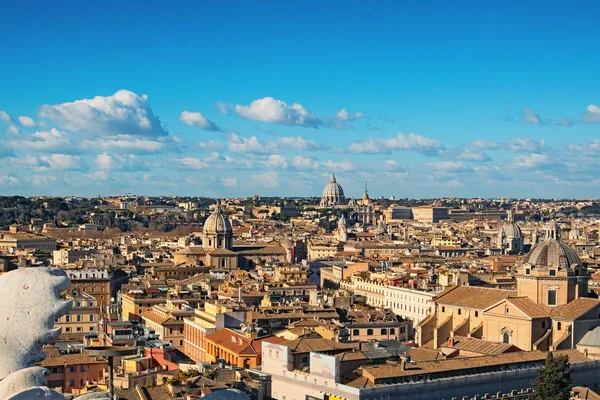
x,y
511,230
217,223
333,189
553,253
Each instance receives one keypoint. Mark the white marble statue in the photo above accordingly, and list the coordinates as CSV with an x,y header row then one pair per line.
x,y
29,305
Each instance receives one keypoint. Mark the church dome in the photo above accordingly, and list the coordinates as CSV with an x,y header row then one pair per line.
x,y
553,253
511,230
333,189
217,223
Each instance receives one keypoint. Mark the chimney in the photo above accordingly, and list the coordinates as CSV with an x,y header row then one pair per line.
x,y
404,359
451,342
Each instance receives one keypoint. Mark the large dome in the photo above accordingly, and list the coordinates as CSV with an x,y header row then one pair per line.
x,y
333,194
553,253
333,188
217,223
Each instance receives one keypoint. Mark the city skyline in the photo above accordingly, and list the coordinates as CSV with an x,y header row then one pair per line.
x,y
231,100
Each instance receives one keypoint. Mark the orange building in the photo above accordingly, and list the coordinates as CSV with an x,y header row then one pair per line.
x,y
71,372
236,348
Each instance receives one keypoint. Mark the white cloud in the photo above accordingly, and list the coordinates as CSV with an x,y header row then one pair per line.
x,y
592,114
394,166
134,144
276,111
483,144
343,115
401,141
527,145
266,180
62,161
301,162
229,182
530,160
101,175
9,180
447,166
530,117
331,165
51,140
470,155
252,145
26,121
124,113
276,161
104,161
4,116
194,163
224,108
211,145
13,130
299,143
199,120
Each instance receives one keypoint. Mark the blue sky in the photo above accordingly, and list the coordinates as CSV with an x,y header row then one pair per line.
x,y
233,98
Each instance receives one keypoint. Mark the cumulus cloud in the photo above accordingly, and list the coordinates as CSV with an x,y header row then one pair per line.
x,y
276,111
592,114
447,166
124,113
532,160
276,161
527,145
229,182
299,143
211,145
401,141
104,161
127,143
13,130
266,180
26,121
50,140
530,117
199,120
4,116
62,161
303,163
343,115
252,145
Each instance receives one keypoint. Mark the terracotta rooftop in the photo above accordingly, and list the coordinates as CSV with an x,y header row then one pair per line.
x,y
472,297
575,308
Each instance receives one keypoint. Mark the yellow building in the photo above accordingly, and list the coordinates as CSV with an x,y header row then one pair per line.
x,y
548,311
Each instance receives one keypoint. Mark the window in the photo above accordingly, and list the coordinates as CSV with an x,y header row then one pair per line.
x,y
477,313
552,272
507,310
72,370
506,337
355,332
551,297
443,309
558,326
527,271
459,311
369,332
384,331
392,331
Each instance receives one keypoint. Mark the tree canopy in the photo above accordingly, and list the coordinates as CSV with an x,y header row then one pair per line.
x,y
554,379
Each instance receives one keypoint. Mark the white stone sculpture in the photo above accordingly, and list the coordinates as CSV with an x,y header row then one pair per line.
x,y
29,304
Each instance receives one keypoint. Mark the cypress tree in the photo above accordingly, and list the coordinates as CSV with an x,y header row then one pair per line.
x,y
553,380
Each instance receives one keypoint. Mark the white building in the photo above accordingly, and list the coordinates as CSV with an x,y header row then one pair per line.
x,y
411,304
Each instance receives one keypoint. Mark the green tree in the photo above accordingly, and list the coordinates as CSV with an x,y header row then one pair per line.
x,y
553,380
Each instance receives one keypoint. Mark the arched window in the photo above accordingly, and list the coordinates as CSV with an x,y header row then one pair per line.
x,y
506,337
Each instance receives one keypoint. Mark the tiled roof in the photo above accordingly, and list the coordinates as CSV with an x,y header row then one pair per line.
x,y
529,307
453,364
575,308
480,346
240,344
306,345
472,297
71,359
